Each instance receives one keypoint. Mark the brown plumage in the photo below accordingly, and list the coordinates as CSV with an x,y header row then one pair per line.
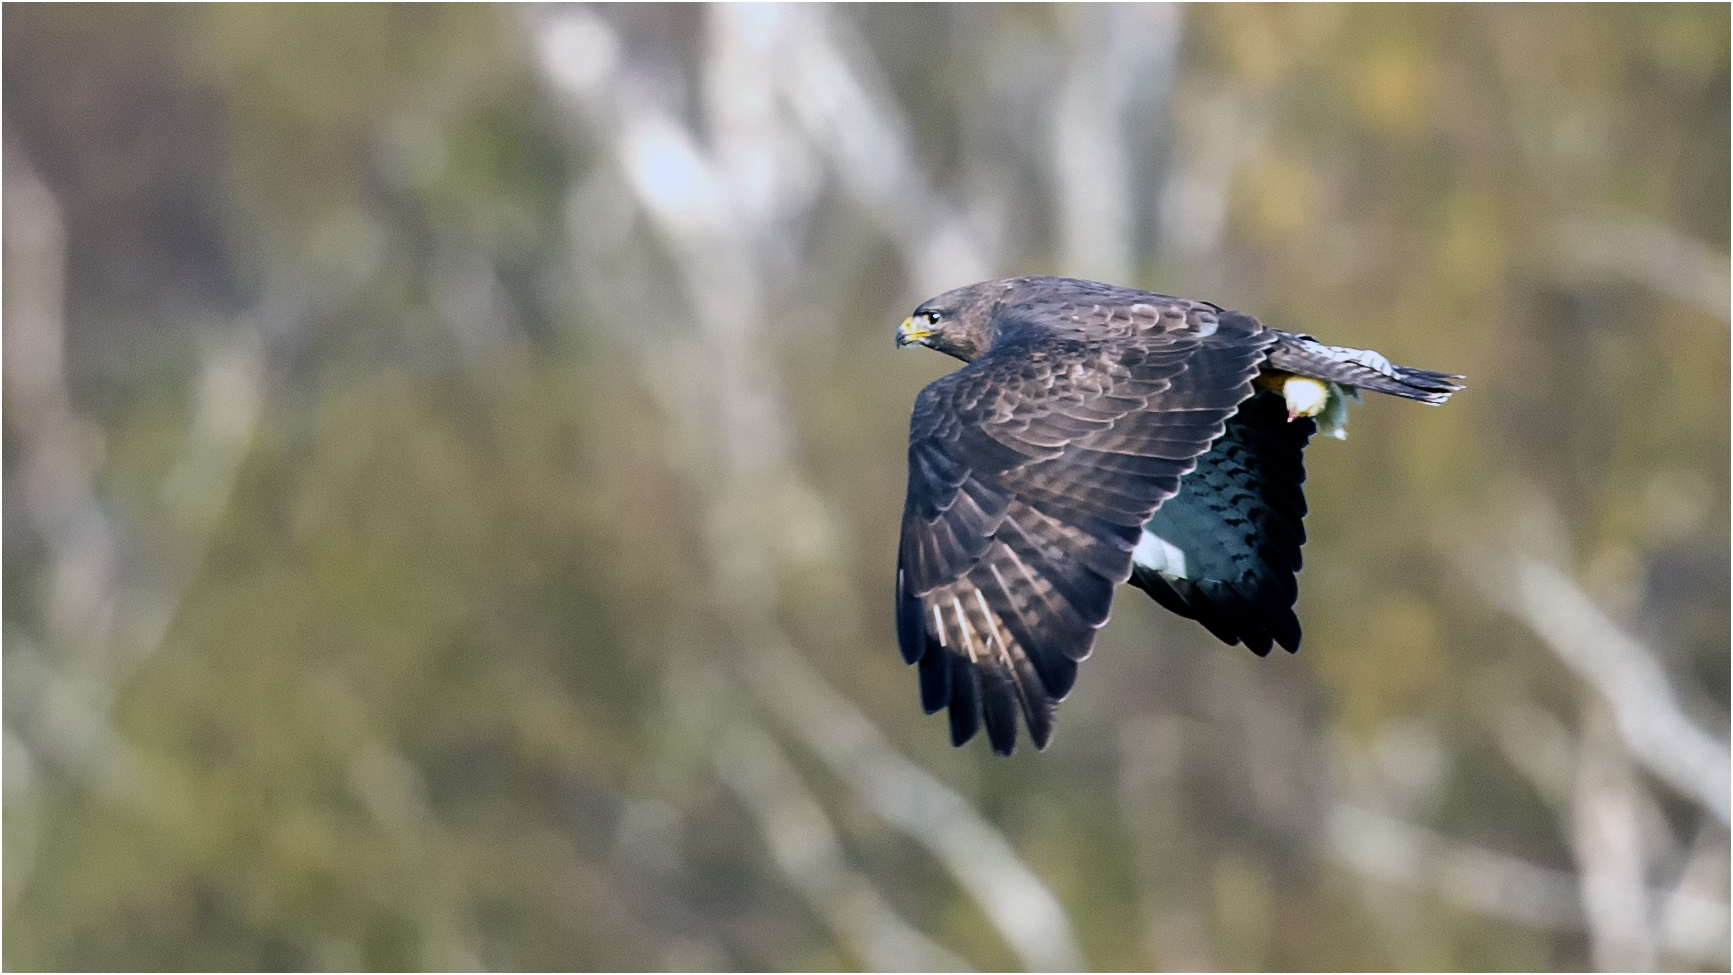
x,y
1092,422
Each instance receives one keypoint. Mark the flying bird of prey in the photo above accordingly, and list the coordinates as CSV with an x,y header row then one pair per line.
x,y
1100,435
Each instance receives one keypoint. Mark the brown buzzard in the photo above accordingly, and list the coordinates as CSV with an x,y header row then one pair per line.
x,y
1098,435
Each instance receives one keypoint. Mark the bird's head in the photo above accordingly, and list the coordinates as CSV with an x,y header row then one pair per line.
x,y
958,323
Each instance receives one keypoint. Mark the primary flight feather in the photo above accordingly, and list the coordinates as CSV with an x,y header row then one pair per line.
x,y
1099,435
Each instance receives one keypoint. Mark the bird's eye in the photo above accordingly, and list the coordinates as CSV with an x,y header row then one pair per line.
x,y
933,317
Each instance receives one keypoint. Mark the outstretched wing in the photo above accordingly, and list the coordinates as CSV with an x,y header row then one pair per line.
x,y
1031,474
1225,550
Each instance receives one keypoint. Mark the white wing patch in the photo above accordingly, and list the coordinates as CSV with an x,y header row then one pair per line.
x,y
1159,554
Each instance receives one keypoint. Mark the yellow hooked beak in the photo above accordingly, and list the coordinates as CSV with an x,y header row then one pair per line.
x,y
908,333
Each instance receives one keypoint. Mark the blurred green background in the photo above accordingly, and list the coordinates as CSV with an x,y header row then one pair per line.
x,y
453,458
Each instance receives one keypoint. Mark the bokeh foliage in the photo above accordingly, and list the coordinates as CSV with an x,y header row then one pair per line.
x,y
441,673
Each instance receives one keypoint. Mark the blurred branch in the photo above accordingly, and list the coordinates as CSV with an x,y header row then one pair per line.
x,y
99,615
848,113
59,687
1390,850
115,587
1651,254
1693,919
57,690
804,844
58,452
225,414
1393,851
1616,835
1608,841
1152,796
1589,778
1214,134
1124,56
1017,903
1624,671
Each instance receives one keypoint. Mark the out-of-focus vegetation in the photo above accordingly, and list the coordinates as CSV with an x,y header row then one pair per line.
x,y
453,458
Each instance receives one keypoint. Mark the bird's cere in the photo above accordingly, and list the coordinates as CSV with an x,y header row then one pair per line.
x,y
908,333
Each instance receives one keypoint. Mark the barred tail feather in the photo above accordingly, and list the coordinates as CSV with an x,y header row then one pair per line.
x,y
1303,355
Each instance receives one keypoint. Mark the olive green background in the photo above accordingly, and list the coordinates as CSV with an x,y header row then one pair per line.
x,y
429,507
